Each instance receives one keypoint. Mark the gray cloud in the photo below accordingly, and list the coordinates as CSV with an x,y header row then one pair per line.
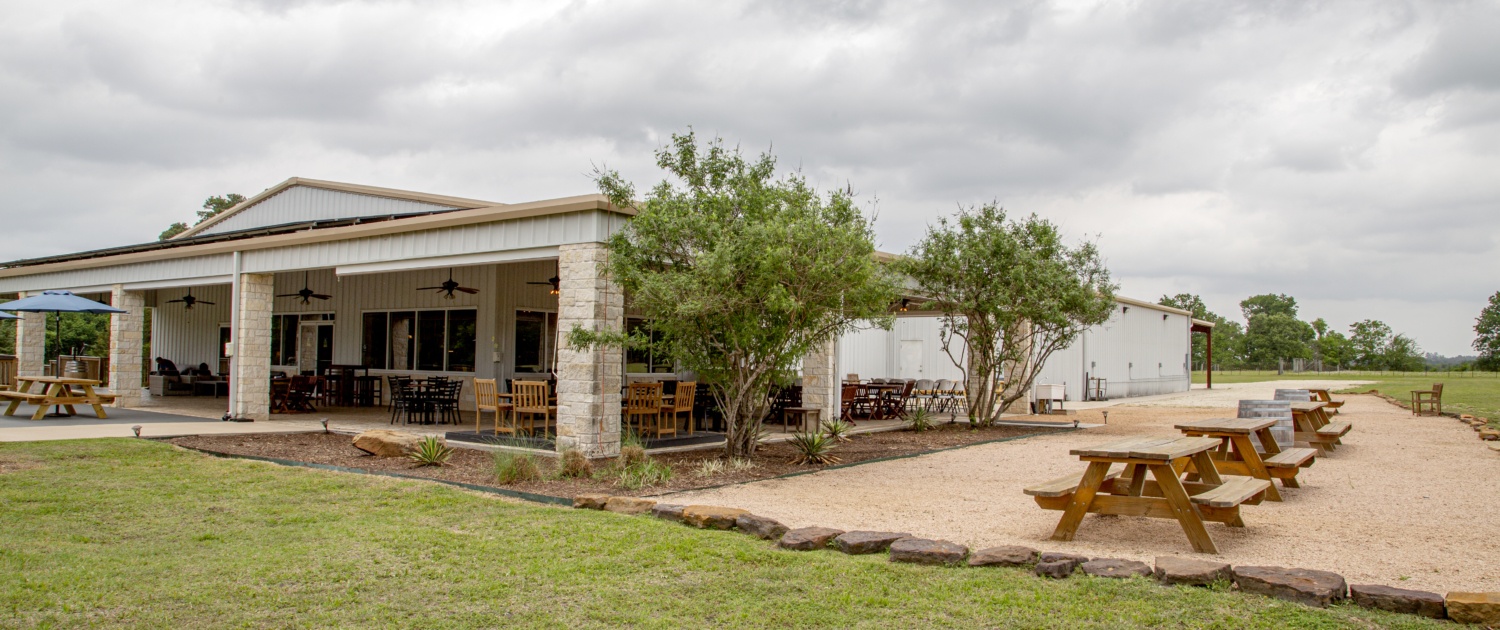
x,y
1340,151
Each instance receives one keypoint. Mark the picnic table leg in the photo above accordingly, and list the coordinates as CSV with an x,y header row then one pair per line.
x,y
1137,474
1256,465
11,409
1078,506
1272,448
1182,506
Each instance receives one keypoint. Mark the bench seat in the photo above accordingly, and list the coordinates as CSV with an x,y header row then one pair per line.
x,y
1063,486
30,398
1292,458
1334,429
1233,492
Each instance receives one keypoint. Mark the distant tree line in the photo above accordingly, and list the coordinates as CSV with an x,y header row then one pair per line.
x,y
212,207
1272,337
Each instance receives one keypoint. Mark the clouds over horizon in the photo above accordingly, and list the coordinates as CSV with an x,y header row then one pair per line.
x,y
1341,152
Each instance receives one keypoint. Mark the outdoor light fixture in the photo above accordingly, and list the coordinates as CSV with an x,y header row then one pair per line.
x,y
904,304
325,424
1075,423
137,429
1106,417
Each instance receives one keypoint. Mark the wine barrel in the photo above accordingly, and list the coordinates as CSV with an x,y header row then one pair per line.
x,y
1281,410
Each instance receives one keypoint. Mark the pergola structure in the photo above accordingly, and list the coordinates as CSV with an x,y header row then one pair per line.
x,y
1207,328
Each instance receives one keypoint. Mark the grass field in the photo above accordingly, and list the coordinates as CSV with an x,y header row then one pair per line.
x,y
138,533
1476,393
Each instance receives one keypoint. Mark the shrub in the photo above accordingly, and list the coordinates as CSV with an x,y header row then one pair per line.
x,y
711,467
814,449
431,451
572,464
632,455
739,464
648,472
837,429
511,467
919,420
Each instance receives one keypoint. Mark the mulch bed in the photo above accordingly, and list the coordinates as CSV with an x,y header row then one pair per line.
x,y
477,467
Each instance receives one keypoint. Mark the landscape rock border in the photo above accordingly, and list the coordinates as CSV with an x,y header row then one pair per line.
x,y
1306,586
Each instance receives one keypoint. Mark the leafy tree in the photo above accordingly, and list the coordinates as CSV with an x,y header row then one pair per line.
x,y
1369,339
1229,345
212,207
742,273
1335,349
7,336
1402,354
1269,304
1012,292
1272,337
1487,335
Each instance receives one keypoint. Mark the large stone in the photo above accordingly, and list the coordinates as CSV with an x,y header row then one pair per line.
x,y
1489,434
629,505
859,542
1056,569
1003,556
1054,556
590,501
1480,608
924,551
808,538
668,511
1398,600
1190,572
1115,568
760,526
711,516
387,443
1305,586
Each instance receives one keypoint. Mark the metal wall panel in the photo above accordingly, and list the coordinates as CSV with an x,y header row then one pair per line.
x,y
304,203
911,349
189,337
559,229
193,267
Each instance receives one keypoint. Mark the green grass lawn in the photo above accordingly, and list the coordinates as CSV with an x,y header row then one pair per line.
x,y
138,533
1476,393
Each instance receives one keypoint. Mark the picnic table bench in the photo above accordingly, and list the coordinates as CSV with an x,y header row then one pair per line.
x,y
1128,492
1322,396
1237,454
1314,428
56,391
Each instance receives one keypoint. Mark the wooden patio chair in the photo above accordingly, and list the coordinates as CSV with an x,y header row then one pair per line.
x,y
487,397
642,403
682,403
8,373
1427,402
530,400
846,402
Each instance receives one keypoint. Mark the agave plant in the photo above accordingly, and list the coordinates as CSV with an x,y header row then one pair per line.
x,y
813,449
431,451
838,429
919,420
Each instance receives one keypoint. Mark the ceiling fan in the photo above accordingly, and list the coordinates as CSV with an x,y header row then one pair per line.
x,y
554,281
448,287
188,300
306,294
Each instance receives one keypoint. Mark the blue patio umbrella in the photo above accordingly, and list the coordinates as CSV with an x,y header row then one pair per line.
x,y
57,302
4,315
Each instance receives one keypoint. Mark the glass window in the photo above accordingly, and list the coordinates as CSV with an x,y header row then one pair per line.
x,y
430,335
284,339
403,340
375,336
463,327
645,360
535,331
224,335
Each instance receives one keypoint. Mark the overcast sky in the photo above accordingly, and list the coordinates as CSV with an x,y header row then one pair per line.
x,y
1346,153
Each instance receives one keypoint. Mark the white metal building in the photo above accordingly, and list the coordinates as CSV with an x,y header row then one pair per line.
x,y
1142,350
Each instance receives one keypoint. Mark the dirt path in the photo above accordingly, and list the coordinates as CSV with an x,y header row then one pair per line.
x,y
1406,502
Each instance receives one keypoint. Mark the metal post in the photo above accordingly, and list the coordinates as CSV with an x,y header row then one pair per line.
x,y
234,331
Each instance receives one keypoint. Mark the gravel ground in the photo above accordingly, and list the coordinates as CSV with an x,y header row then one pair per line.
x,y
1406,502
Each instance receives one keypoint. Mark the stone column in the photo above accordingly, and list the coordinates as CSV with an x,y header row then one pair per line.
x,y
820,380
31,343
588,381
250,374
126,331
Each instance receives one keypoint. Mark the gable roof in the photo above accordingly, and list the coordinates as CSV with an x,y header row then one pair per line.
x,y
358,189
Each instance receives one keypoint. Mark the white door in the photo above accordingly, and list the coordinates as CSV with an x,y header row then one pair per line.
x,y
911,359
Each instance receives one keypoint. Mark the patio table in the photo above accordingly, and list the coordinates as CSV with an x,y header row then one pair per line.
x,y
1314,427
1236,454
1100,490
55,391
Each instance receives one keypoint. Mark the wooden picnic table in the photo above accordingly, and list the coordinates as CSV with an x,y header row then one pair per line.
x,y
55,391
1237,454
1100,490
1322,396
1315,429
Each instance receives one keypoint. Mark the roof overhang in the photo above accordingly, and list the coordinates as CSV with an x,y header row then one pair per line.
x,y
1202,326
449,219
1151,305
